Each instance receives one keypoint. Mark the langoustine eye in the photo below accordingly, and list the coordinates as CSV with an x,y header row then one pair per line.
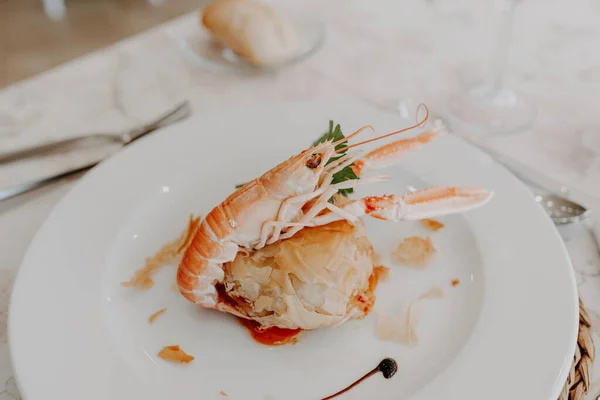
x,y
313,161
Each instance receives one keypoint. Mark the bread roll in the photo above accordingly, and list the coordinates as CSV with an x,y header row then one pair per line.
x,y
252,30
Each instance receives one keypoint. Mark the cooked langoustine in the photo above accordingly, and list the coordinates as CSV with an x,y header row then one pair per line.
x,y
295,195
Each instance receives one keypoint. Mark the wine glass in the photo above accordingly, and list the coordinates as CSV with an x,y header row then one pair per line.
x,y
492,106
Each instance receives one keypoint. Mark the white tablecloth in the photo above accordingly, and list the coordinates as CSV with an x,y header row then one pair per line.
x,y
379,52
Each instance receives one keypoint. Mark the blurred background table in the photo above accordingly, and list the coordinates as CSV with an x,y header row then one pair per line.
x,y
380,52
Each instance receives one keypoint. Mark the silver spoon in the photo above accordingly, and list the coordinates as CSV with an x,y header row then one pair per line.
x,y
561,210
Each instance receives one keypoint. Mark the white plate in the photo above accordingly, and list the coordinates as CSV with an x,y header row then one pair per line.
x,y
508,330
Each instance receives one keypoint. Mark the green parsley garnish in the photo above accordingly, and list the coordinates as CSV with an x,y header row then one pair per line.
x,y
333,133
347,173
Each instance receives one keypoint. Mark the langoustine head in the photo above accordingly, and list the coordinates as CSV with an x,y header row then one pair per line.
x,y
301,173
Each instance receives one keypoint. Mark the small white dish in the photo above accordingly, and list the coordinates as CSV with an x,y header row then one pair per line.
x,y
75,333
204,51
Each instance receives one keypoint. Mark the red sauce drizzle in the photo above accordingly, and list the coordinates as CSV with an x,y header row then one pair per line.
x,y
273,336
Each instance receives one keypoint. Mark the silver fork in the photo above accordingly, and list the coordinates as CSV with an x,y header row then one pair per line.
x,y
178,113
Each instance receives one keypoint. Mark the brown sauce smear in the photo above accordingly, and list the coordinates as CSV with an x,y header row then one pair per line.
x,y
273,336
388,368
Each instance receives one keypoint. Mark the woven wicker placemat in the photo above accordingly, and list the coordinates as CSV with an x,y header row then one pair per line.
x,y
580,376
